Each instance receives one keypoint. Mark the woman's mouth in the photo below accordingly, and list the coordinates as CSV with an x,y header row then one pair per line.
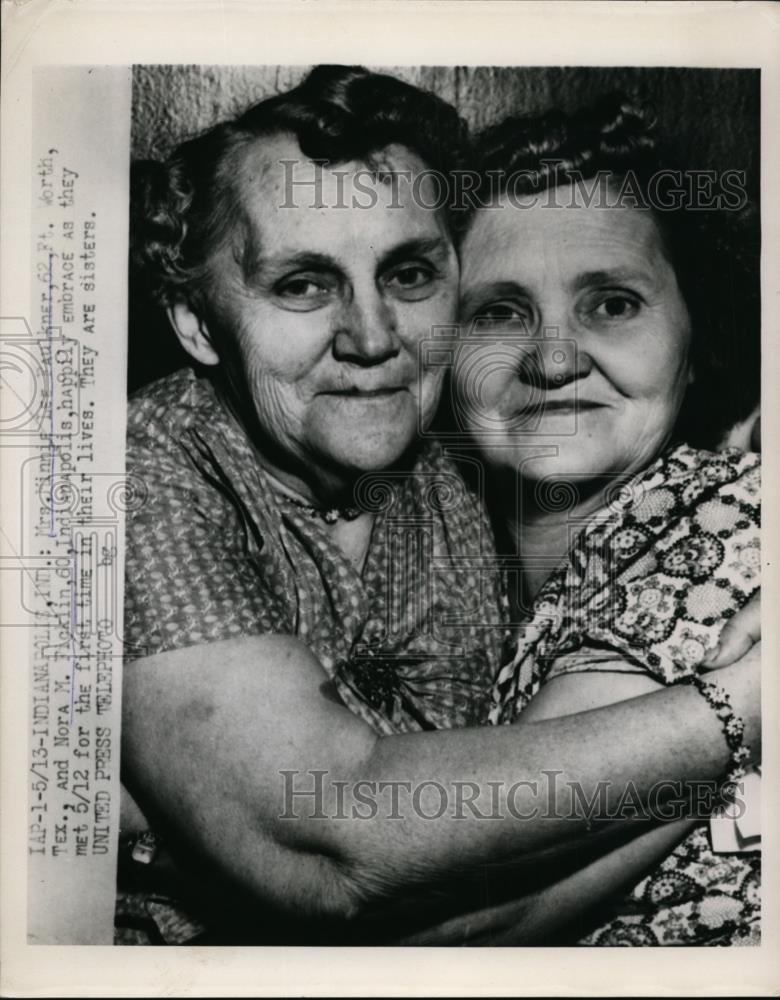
x,y
355,392
564,407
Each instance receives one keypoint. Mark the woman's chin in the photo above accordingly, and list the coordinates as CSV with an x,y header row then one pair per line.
x,y
538,460
585,473
369,452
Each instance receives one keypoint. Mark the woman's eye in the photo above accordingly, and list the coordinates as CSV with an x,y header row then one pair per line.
x,y
302,288
617,307
304,292
411,281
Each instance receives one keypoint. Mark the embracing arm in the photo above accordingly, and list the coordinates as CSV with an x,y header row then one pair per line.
x,y
539,916
208,730
535,917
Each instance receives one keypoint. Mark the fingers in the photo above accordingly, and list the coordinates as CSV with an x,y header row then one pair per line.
x,y
745,435
742,632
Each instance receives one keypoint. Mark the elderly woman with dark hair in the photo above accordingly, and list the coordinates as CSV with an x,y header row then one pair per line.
x,y
302,301
299,634
612,341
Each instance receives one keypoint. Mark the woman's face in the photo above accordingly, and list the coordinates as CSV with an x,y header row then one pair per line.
x,y
575,337
337,278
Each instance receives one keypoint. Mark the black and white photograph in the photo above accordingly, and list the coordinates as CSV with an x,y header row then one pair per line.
x,y
385,440
461,431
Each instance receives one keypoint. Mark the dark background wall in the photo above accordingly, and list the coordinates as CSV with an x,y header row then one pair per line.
x,y
710,118
713,115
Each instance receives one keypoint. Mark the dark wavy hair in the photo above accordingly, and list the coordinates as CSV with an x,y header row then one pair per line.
x,y
183,208
715,253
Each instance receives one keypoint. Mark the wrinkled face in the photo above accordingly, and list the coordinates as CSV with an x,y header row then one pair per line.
x,y
577,337
334,278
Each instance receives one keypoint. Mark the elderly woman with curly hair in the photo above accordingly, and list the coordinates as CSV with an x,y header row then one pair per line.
x,y
612,340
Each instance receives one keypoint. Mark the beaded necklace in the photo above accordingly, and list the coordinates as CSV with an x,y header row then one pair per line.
x,y
329,515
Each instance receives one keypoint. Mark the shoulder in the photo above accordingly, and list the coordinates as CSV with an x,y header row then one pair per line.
x,y
164,410
694,473
717,491
184,452
697,558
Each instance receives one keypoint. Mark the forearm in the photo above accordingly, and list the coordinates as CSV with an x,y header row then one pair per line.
x,y
567,897
541,915
206,740
536,777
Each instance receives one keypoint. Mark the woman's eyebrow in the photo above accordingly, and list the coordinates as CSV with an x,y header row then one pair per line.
x,y
423,246
271,267
490,290
256,265
613,276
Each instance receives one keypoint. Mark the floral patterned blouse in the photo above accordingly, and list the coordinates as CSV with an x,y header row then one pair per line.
x,y
654,578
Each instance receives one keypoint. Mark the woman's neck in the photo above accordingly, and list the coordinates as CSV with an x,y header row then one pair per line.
x,y
327,494
306,481
542,534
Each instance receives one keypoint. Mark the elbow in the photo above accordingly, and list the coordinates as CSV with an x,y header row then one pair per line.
x,y
312,883
345,894
349,894
343,871
347,900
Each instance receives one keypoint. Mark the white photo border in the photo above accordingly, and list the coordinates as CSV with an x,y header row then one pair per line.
x,y
384,32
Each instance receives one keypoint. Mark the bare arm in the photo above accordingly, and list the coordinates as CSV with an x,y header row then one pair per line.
x,y
533,918
536,917
209,729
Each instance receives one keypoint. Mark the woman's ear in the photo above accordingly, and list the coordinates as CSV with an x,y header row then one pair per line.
x,y
193,334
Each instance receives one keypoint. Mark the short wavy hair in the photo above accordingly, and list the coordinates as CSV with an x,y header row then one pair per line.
x,y
183,208
715,253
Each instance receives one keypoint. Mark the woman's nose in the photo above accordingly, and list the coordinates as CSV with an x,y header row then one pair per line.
x,y
365,330
558,355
